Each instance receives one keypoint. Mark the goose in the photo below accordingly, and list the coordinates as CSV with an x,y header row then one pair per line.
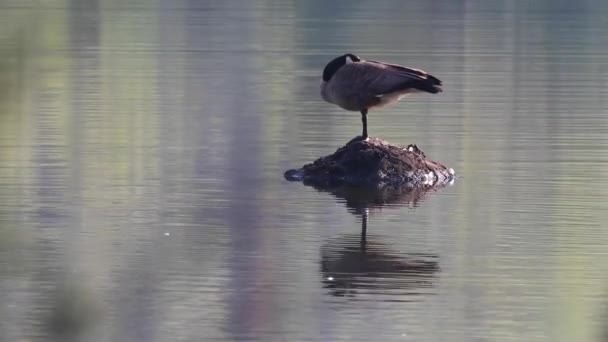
x,y
355,84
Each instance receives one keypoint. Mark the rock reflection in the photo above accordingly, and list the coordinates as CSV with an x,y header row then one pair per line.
x,y
358,263
362,200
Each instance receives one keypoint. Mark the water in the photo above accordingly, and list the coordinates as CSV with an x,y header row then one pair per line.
x,y
143,147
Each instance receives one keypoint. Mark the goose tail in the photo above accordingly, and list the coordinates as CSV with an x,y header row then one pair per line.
x,y
430,84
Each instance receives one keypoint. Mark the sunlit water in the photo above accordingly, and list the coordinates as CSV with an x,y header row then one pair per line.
x,y
142,148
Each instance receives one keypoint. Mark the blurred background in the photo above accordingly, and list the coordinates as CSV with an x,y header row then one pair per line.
x,y
143,145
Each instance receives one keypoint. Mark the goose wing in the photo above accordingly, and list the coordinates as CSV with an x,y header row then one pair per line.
x,y
376,78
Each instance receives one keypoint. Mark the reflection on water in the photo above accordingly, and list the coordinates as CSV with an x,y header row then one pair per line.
x,y
352,264
142,147
356,264
362,200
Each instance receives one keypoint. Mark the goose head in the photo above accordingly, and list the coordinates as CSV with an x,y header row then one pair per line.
x,y
332,67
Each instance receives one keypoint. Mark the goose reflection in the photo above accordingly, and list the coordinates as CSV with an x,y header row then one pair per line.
x,y
358,263
350,267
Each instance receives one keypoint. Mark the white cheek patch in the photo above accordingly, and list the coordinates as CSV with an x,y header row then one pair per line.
x,y
348,60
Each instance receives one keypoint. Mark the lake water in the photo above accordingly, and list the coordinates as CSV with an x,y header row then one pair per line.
x,y
143,145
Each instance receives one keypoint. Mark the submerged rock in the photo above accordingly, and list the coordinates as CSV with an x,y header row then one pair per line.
x,y
373,162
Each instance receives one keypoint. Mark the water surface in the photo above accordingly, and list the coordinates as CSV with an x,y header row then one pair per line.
x,y
142,148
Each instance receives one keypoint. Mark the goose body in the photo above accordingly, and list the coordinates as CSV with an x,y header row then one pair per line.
x,y
355,84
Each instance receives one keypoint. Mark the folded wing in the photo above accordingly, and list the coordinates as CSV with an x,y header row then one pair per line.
x,y
381,78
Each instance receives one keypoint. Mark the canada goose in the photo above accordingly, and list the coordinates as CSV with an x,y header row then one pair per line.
x,y
358,85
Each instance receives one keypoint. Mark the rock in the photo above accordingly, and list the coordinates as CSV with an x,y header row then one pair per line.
x,y
373,162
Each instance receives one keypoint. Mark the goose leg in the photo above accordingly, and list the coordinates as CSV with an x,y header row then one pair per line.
x,y
364,121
